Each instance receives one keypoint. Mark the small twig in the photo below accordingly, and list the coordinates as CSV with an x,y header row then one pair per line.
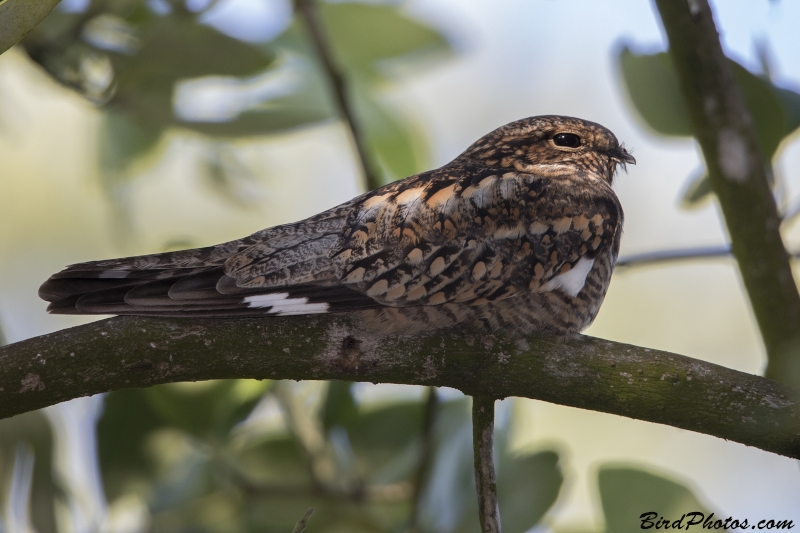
x,y
307,9
485,479
300,526
425,455
685,254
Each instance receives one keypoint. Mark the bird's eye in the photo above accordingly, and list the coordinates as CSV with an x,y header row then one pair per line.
x,y
570,140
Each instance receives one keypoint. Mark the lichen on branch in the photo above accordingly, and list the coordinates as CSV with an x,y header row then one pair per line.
x,y
589,373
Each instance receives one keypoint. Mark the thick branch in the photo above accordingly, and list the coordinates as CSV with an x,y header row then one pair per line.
x,y
483,448
309,13
595,374
738,174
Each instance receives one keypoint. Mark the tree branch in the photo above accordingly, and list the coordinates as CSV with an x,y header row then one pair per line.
x,y
18,17
309,13
679,254
483,448
738,173
589,373
300,526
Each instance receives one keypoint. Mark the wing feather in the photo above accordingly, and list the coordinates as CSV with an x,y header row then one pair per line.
x,y
460,234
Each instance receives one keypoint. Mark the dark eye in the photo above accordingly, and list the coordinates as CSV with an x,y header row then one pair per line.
x,y
570,140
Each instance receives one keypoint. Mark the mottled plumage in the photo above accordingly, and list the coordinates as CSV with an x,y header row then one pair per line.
x,y
517,234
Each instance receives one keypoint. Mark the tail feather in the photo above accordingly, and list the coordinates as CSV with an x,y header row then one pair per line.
x,y
288,271
195,291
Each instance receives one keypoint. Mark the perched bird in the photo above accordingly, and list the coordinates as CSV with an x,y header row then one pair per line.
x,y
518,234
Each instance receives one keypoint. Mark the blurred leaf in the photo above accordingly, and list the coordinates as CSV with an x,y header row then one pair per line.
x,y
18,17
627,492
365,34
204,409
769,115
31,428
127,421
527,486
127,59
306,104
654,91
123,140
790,101
229,176
381,435
391,139
528,483
176,48
339,408
448,501
272,460
699,189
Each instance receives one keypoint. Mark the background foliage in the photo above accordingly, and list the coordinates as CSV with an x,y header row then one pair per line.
x,y
235,456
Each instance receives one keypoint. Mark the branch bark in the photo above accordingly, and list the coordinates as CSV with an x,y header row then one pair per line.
x,y
589,373
485,477
738,173
300,526
309,13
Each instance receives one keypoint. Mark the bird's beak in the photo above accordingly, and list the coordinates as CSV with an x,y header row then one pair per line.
x,y
621,155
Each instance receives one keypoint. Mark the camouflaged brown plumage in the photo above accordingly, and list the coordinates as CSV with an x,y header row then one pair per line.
x,y
518,234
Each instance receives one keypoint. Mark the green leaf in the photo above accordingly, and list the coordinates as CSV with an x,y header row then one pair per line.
x,y
18,17
449,502
790,101
204,409
175,48
127,421
528,483
627,492
365,34
274,459
307,104
765,107
381,434
393,141
340,407
123,140
699,189
655,93
527,486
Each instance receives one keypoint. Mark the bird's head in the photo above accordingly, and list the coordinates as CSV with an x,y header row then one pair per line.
x,y
552,145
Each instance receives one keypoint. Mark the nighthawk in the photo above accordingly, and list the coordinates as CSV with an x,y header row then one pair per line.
x,y
517,234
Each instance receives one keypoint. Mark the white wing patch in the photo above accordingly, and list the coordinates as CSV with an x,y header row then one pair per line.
x,y
573,281
281,305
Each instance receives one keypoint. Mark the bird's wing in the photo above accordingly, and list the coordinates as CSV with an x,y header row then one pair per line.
x,y
461,235
453,235
194,283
